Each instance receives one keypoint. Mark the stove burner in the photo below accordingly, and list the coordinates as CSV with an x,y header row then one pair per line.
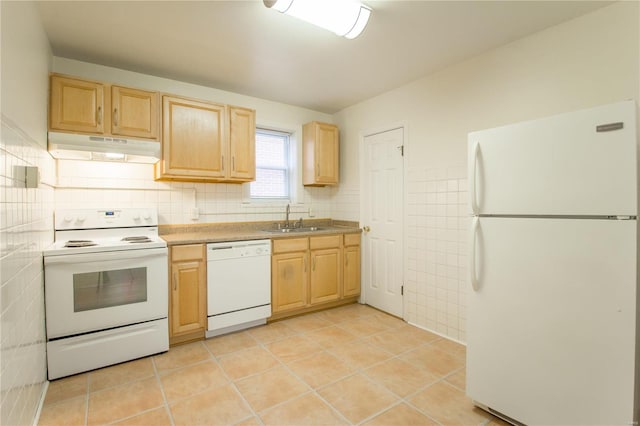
x,y
79,243
137,239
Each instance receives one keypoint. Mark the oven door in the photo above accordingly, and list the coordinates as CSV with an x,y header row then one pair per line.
x,y
95,291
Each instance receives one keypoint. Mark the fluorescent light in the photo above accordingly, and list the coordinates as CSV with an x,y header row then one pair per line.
x,y
346,18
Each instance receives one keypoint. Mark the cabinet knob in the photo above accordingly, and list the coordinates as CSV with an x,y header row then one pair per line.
x,y
366,229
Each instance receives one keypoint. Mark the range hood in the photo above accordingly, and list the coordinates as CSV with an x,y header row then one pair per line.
x,y
71,146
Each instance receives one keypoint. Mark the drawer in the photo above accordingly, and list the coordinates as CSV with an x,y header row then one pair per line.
x,y
187,252
290,244
327,241
352,239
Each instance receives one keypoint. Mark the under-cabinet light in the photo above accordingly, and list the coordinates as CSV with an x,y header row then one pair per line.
x,y
346,18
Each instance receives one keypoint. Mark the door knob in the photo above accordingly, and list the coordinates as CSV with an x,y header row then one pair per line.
x,y
366,229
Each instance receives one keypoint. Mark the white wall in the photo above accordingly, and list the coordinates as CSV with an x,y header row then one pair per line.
x,y
25,214
588,61
84,184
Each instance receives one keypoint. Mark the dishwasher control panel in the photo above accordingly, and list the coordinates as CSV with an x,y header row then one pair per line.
x,y
237,249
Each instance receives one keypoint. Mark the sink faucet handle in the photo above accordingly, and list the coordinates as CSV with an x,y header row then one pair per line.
x,y
299,223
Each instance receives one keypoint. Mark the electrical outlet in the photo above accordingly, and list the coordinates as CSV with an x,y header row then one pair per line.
x,y
311,212
195,213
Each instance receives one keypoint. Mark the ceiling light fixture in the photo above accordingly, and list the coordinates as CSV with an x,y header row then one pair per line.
x,y
344,17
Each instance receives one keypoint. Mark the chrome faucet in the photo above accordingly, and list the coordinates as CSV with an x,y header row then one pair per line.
x,y
286,221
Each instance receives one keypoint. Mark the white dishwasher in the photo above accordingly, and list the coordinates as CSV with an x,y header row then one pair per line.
x,y
238,285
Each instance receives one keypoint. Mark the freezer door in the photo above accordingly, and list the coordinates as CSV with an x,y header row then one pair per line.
x,y
551,326
561,165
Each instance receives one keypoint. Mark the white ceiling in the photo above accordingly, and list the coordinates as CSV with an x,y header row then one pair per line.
x,y
244,47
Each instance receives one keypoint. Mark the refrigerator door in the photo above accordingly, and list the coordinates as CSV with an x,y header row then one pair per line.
x,y
561,165
551,326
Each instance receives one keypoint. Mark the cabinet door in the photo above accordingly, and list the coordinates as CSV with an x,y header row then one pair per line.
x,y
351,281
289,273
76,105
193,143
188,297
321,153
134,112
325,275
242,143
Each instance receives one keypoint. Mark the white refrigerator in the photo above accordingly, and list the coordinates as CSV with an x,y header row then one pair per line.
x,y
552,327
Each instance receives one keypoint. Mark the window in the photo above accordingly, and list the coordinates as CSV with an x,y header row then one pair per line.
x,y
272,166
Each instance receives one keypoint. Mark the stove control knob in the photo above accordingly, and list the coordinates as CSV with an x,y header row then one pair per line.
x,y
147,216
81,218
136,216
68,218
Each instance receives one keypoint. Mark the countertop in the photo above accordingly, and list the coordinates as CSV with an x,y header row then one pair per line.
x,y
240,231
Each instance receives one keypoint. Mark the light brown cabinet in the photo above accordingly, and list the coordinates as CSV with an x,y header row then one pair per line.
x,y
326,272
206,142
320,154
187,293
351,275
134,112
76,105
313,273
85,106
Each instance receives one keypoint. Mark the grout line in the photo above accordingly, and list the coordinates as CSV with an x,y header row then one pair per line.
x,y
164,396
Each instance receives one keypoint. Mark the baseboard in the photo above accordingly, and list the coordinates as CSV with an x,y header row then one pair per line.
x,y
43,395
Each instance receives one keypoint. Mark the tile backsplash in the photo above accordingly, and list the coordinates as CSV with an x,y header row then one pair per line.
x,y
85,184
26,228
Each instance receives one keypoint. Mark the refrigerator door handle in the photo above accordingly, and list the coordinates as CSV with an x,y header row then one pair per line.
x,y
472,254
474,163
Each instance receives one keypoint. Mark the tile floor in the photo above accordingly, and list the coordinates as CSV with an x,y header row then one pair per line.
x,y
346,366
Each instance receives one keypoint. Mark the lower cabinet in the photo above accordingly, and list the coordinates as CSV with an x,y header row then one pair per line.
x,y
187,293
312,273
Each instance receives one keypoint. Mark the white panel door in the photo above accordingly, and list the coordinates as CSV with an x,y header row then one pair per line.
x,y
551,326
382,214
559,165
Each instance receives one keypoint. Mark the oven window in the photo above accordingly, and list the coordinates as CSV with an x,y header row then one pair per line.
x,y
95,290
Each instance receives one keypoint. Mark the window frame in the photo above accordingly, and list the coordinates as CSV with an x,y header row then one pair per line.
x,y
287,168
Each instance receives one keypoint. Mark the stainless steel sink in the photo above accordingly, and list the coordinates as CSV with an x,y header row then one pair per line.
x,y
287,230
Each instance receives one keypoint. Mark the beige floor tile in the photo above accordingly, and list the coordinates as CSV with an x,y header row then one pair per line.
x,y
452,347
68,412
347,313
123,401
400,377
330,336
320,369
293,348
67,388
181,356
120,374
306,323
433,360
157,417
394,341
388,320
191,380
271,332
218,406
305,410
267,389
458,379
233,342
448,405
401,415
357,398
253,421
359,354
362,327
247,362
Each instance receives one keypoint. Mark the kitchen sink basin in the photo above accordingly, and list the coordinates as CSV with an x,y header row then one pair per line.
x,y
287,230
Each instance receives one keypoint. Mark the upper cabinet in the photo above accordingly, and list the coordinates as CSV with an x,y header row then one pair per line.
x,y
84,106
134,112
321,150
76,105
206,142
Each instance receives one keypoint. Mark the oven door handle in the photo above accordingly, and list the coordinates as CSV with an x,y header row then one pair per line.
x,y
104,256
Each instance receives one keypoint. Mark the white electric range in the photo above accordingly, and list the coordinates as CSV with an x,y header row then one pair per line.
x,y
106,289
